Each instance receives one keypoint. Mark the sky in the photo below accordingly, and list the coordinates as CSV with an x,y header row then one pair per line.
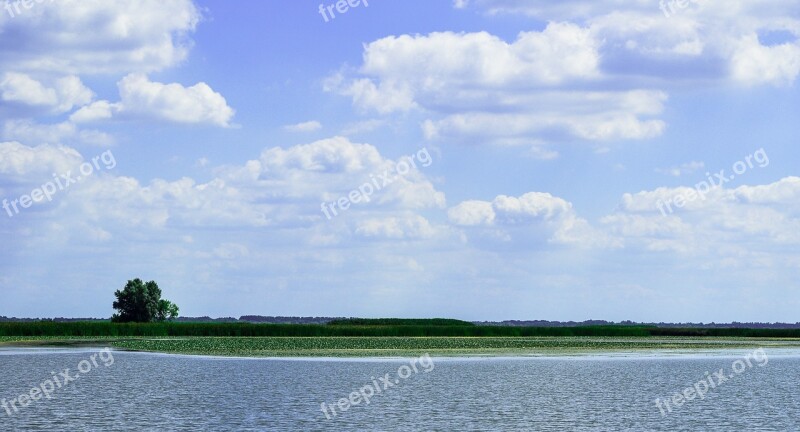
x,y
472,159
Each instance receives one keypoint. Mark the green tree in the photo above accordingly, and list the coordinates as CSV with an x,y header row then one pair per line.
x,y
167,310
142,302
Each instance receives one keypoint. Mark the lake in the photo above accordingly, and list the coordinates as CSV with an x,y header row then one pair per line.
x,y
114,390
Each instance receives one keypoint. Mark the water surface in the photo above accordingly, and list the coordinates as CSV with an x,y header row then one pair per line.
x,y
143,392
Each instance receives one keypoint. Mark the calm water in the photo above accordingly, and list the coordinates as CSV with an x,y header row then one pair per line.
x,y
146,392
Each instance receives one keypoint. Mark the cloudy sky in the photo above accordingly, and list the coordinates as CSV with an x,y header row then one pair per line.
x,y
474,159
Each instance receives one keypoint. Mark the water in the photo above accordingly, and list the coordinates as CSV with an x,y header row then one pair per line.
x,y
144,392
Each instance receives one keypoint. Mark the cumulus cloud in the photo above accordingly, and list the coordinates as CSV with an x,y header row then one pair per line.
x,y
142,98
64,94
529,221
331,168
487,90
726,226
739,222
96,111
125,36
472,213
753,63
21,161
283,188
540,88
412,70
669,39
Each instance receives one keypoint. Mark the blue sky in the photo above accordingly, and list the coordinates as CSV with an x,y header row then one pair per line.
x,y
551,140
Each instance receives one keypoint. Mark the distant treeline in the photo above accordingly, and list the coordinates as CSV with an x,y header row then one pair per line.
x,y
258,319
735,324
205,319
101,329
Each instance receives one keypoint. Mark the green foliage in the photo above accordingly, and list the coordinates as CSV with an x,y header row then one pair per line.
x,y
166,311
49,328
400,322
141,302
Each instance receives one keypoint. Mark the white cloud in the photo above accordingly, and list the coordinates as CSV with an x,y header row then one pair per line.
x,y
98,36
737,222
471,213
281,189
30,132
571,122
529,221
387,97
639,32
560,52
413,70
753,63
65,93
331,168
742,226
309,126
541,88
173,102
485,90
21,161
526,242
100,110
336,154
140,97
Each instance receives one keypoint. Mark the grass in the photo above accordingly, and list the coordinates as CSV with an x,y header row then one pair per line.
x,y
401,346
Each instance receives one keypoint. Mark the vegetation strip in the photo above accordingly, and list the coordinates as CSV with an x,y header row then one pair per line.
x,y
401,346
366,328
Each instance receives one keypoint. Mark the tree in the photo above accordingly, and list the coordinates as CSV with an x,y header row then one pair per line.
x,y
142,302
167,310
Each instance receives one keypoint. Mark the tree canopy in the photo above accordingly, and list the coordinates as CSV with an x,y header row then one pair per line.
x,y
142,302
